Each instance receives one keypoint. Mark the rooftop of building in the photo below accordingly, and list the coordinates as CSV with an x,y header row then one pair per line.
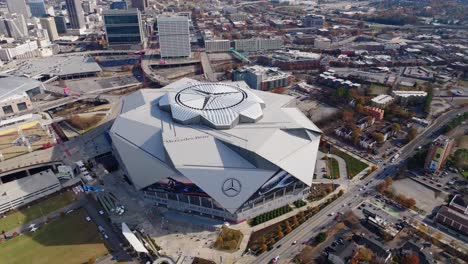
x,y
409,93
297,54
17,189
266,72
54,66
11,86
130,11
382,99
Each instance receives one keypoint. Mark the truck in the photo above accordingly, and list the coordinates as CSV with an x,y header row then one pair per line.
x,y
395,157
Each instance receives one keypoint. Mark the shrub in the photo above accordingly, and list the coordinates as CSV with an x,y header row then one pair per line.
x,y
322,236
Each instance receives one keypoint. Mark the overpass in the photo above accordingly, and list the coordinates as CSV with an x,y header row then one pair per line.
x,y
207,69
239,55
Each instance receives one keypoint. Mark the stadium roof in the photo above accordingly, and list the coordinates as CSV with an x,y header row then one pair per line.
x,y
155,144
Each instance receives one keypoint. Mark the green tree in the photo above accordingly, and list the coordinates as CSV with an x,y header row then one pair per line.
x,y
378,136
322,236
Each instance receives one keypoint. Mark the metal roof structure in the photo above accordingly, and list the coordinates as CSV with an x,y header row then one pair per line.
x,y
218,105
214,132
11,86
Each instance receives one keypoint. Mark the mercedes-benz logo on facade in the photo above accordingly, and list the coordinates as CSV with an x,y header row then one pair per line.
x,y
231,187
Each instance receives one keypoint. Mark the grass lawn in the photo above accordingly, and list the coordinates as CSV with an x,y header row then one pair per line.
x,y
67,240
353,165
36,210
376,89
333,168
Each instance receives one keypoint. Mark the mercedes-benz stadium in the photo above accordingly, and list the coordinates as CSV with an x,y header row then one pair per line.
x,y
220,150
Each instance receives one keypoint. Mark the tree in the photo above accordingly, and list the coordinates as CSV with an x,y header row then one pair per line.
x,y
219,242
413,132
295,222
355,134
378,136
412,258
280,235
348,116
288,227
396,127
360,109
364,254
264,247
322,236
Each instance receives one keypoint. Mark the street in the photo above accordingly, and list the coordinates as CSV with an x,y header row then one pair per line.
x,y
311,227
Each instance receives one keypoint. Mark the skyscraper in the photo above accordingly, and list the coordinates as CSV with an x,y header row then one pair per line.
x,y
123,26
14,26
174,36
48,23
18,7
37,8
75,14
140,4
61,24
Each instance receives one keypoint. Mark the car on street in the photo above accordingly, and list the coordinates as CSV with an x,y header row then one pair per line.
x,y
275,259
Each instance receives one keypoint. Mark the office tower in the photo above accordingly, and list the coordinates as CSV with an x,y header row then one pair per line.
x,y
140,4
37,8
122,5
14,26
18,7
48,23
61,24
123,26
75,14
438,153
174,36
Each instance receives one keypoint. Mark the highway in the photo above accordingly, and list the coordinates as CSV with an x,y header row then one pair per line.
x,y
351,198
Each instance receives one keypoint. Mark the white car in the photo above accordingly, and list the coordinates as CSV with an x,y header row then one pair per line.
x,y
331,214
88,219
101,212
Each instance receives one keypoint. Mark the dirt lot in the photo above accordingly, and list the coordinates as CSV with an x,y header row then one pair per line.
x,y
426,199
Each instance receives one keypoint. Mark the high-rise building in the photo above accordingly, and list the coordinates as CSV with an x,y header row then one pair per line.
x,y
174,36
14,26
48,23
122,5
18,7
438,153
37,8
75,14
123,27
61,24
140,4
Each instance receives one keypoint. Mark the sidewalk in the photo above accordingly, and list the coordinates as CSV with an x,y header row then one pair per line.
x,y
247,230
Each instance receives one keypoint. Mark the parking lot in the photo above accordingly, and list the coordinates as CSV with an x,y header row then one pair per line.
x,y
426,199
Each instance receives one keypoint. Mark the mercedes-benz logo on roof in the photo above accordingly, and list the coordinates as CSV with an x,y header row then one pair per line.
x,y
231,187
209,97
